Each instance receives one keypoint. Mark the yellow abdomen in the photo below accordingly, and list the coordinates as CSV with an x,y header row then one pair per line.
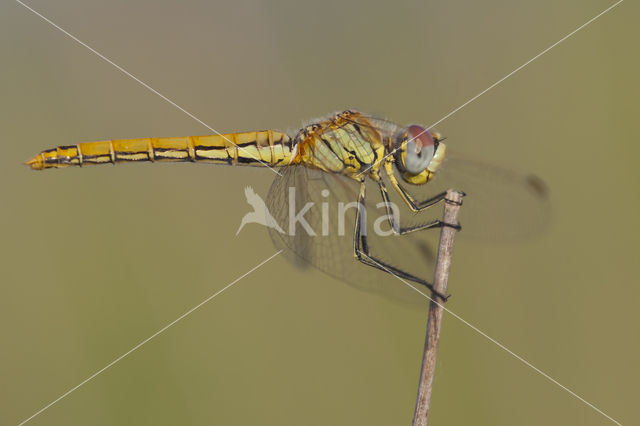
x,y
267,148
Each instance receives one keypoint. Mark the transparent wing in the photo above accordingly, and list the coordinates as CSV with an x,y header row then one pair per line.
x,y
316,214
501,204
330,202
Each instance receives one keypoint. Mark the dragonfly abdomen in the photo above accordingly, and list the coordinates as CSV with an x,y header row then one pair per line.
x,y
266,147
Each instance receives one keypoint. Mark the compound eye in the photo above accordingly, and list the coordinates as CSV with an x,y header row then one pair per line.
x,y
419,149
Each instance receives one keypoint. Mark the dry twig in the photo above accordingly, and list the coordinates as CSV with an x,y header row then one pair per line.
x,y
453,202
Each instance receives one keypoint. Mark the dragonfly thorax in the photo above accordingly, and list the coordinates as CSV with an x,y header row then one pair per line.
x,y
346,144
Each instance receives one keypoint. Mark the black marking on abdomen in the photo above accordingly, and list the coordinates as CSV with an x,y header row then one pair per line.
x,y
161,150
245,144
248,160
208,147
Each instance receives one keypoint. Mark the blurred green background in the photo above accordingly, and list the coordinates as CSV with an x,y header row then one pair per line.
x,y
95,260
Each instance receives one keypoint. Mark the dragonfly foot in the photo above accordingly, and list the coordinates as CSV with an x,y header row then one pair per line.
x,y
455,226
455,203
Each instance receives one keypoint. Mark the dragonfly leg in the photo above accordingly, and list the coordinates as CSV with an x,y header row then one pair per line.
x,y
362,253
395,226
414,205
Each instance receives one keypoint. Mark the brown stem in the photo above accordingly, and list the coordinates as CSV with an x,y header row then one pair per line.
x,y
453,201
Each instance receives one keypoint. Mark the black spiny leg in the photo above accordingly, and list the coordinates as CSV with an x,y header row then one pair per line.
x,y
400,230
416,206
361,248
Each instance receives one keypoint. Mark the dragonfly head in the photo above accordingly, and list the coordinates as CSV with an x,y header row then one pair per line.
x,y
418,153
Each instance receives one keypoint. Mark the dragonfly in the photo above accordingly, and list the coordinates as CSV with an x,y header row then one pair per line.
x,y
335,161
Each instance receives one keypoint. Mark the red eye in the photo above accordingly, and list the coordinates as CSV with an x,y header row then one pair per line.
x,y
421,136
419,150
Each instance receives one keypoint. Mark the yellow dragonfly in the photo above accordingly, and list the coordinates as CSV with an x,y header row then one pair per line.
x,y
333,161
